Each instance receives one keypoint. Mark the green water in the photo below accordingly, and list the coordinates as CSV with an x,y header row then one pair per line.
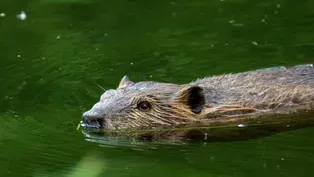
x,y
52,62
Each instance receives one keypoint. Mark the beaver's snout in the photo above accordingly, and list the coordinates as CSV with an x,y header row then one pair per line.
x,y
93,122
95,117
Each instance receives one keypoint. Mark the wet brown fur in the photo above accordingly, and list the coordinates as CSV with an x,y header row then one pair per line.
x,y
247,93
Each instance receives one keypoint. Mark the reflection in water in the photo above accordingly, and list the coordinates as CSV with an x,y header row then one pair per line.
x,y
209,131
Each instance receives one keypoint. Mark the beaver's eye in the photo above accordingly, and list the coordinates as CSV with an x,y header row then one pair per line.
x,y
144,106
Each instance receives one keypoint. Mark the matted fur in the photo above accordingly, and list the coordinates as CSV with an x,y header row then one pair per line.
x,y
225,95
265,89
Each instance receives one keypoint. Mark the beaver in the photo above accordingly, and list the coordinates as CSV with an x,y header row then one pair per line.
x,y
227,97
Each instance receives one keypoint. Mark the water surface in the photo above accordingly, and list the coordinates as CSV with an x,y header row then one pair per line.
x,y
54,58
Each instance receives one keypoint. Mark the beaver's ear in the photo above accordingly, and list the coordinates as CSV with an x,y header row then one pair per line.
x,y
125,81
192,96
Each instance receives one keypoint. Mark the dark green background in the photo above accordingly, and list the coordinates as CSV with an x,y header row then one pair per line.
x,y
67,47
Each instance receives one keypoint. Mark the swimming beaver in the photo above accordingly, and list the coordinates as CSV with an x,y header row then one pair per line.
x,y
229,97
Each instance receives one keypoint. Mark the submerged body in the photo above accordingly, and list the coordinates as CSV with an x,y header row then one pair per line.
x,y
149,105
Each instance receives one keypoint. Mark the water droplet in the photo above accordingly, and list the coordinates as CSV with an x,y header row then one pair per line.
x,y
205,136
58,37
22,16
241,125
18,56
131,63
2,15
254,43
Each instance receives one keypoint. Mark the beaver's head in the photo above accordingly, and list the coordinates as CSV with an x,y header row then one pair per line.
x,y
145,104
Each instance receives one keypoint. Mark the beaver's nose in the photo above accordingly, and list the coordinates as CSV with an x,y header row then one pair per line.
x,y
93,122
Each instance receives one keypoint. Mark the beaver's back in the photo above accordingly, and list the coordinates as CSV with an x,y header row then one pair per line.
x,y
267,88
